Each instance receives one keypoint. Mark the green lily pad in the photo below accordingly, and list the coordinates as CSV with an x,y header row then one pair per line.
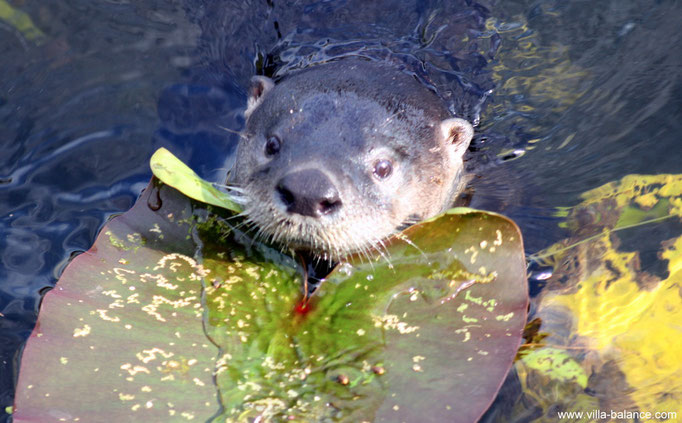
x,y
175,315
425,335
173,172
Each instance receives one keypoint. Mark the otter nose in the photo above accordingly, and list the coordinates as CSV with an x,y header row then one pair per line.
x,y
308,192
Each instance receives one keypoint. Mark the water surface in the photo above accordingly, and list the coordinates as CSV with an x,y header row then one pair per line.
x,y
567,95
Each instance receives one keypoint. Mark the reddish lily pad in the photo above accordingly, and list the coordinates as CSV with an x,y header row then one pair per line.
x,y
174,315
120,338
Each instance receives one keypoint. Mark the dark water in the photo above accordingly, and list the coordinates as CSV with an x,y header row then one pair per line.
x,y
568,95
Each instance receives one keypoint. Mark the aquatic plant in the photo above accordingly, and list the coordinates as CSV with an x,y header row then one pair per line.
x,y
175,314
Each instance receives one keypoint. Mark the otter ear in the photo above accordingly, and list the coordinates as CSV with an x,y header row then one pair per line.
x,y
458,132
260,85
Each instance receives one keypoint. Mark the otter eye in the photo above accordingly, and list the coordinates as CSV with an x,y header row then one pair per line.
x,y
272,145
383,169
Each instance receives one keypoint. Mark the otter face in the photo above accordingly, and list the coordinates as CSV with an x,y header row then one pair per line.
x,y
333,169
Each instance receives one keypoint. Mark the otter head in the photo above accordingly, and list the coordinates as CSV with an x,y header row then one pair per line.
x,y
336,158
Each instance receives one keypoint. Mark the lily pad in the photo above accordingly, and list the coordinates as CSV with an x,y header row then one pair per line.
x,y
175,315
427,334
120,337
173,172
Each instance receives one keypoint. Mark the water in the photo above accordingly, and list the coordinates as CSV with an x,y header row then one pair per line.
x,y
568,94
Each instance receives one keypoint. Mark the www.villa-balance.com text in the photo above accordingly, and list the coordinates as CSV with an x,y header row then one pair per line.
x,y
620,415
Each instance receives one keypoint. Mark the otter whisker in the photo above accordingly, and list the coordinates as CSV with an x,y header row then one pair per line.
x,y
383,251
366,253
363,254
388,120
256,237
225,186
244,213
243,224
236,194
407,240
232,131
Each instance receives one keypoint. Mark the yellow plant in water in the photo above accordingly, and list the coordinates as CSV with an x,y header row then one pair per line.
x,y
624,315
21,21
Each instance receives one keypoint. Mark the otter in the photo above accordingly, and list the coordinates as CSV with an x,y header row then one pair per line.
x,y
337,157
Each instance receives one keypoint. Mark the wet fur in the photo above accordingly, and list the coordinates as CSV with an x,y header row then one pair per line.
x,y
340,118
